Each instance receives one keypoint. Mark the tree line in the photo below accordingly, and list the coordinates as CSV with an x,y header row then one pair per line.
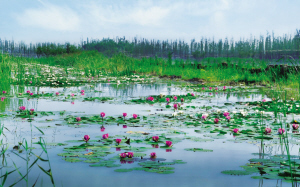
x,y
268,47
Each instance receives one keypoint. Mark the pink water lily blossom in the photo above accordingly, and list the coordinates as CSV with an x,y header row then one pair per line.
x,y
28,91
295,126
123,155
192,94
168,99
130,154
134,116
175,97
281,131
22,108
124,114
72,95
118,141
124,126
228,118
82,91
2,98
182,100
210,88
175,106
226,114
224,87
168,143
86,138
153,155
102,114
155,138
31,94
150,98
4,92
203,88
235,130
216,120
268,130
264,100
105,136
78,118
204,117
57,93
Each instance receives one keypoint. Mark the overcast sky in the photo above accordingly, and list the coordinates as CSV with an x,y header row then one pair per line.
x,y
71,20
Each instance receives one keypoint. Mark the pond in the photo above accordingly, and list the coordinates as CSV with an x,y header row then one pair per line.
x,y
204,152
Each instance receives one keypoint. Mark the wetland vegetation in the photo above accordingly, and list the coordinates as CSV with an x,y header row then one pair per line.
x,y
83,116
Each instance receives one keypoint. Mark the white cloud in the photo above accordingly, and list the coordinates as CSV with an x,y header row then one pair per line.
x,y
50,17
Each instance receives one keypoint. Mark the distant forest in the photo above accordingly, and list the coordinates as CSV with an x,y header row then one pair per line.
x,y
268,47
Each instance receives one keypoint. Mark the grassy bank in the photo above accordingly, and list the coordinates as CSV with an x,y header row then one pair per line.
x,y
223,70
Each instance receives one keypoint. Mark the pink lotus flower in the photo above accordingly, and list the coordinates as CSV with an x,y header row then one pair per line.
x,y
28,91
134,116
124,126
226,114
235,130
210,88
175,97
264,100
2,98
72,95
168,143
123,155
268,130
86,138
57,93
216,120
31,94
281,131
153,155
30,82
124,115
78,118
4,92
192,94
175,106
216,88
108,80
295,126
22,108
130,154
155,138
224,87
118,141
102,129
168,99
82,91
32,110
203,88
182,100
102,114
228,118
105,136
